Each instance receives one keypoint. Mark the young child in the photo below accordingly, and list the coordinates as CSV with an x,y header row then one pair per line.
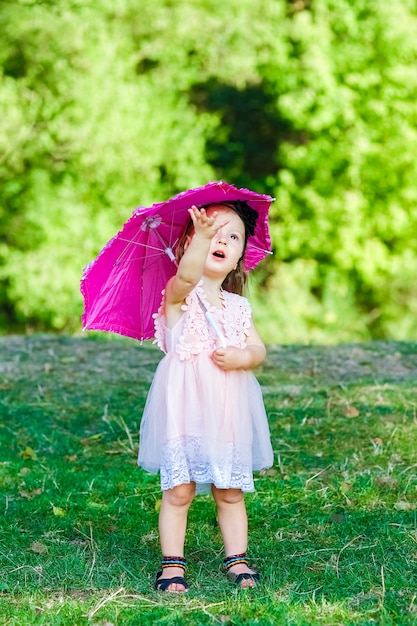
x,y
204,422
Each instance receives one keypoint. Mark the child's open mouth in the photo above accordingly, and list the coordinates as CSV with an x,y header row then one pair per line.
x,y
219,254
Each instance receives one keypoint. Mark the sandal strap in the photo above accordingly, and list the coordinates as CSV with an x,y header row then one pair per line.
x,y
239,578
162,585
230,561
174,561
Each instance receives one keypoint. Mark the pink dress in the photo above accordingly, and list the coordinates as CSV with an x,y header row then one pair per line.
x,y
200,423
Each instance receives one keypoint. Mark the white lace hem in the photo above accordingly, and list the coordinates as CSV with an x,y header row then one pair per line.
x,y
184,460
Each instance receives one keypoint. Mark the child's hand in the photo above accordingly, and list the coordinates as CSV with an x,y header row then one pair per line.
x,y
232,358
205,225
229,358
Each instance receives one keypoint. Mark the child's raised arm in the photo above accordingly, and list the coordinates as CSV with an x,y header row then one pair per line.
x,y
197,247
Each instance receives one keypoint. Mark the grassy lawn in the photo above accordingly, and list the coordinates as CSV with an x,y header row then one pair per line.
x,y
333,523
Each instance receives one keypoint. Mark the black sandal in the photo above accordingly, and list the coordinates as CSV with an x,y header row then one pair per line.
x,y
236,559
171,561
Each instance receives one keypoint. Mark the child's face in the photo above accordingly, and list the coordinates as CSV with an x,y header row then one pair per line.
x,y
228,243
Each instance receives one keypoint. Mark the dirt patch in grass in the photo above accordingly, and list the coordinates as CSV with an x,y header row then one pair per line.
x,y
381,362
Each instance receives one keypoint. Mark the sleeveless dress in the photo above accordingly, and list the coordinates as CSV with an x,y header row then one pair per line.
x,y
201,423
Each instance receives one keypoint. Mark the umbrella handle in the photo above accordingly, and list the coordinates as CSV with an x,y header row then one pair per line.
x,y
217,329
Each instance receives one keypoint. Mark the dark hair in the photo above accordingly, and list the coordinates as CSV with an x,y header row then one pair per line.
x,y
235,281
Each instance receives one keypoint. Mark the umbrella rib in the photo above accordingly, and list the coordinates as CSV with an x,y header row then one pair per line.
x,y
143,245
171,227
250,245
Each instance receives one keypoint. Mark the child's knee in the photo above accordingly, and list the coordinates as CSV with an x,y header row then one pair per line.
x,y
227,496
182,495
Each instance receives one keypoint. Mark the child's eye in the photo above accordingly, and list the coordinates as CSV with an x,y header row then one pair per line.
x,y
235,237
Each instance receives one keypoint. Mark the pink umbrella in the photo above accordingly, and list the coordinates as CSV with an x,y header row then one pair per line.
x,y
122,286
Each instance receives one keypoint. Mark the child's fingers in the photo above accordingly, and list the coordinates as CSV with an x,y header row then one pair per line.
x,y
199,216
211,224
194,213
222,224
210,220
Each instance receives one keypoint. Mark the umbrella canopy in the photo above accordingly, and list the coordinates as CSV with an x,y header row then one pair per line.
x,y
122,286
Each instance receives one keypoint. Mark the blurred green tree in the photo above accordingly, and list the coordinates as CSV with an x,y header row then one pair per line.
x,y
108,104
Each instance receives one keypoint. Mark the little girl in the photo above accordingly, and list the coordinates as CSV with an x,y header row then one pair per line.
x,y
204,422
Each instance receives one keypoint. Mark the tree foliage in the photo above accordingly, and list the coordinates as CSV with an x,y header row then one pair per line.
x,y
108,104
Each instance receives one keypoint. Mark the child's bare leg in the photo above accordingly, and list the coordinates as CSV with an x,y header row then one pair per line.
x,y
233,521
172,527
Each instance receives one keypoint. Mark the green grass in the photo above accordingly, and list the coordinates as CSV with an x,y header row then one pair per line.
x,y
333,524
